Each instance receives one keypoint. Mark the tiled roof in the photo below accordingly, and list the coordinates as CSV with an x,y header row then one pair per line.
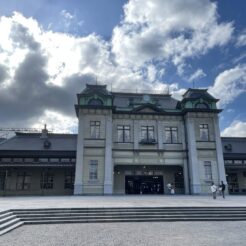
x,y
33,141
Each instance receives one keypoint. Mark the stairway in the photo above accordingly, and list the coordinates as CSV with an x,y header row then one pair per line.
x,y
11,219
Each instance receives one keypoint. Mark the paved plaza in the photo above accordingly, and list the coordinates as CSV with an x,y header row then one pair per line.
x,y
141,233
111,234
22,202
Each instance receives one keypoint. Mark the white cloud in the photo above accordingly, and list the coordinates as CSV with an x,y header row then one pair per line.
x,y
197,75
67,15
66,124
150,36
236,129
168,30
229,84
241,39
60,65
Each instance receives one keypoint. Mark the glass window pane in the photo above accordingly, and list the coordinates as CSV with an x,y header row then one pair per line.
x,y
174,135
93,169
203,132
127,135
151,132
208,170
95,129
143,132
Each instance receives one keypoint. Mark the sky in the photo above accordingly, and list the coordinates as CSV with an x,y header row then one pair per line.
x,y
49,50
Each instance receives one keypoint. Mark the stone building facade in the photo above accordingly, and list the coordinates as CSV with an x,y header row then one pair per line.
x,y
135,143
127,143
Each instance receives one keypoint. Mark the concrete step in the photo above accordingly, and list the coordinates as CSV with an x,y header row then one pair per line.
x,y
32,222
127,217
10,228
134,208
65,213
9,223
16,217
128,214
7,218
124,210
6,214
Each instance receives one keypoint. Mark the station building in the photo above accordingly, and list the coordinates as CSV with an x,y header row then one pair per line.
x,y
127,143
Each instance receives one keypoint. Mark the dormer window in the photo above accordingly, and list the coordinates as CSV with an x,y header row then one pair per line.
x,y
95,102
203,132
202,105
147,135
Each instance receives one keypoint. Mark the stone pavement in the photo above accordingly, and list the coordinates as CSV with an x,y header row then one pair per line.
x,y
21,202
126,234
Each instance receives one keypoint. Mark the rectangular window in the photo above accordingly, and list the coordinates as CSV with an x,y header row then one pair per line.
x,y
208,170
123,134
2,180
147,133
179,180
69,180
203,132
47,180
171,134
23,181
93,170
238,162
228,162
95,129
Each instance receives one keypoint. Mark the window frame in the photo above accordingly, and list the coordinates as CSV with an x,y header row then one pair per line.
x,y
94,124
25,180
147,130
171,130
203,128
93,170
123,129
69,177
208,175
47,180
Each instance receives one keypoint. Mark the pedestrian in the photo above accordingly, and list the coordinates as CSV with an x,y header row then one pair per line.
x,y
169,187
222,189
213,188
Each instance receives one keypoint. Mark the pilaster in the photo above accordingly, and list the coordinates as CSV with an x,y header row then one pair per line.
x,y
78,184
195,184
186,177
108,172
135,134
159,135
219,152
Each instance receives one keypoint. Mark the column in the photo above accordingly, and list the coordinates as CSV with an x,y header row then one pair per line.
x,y
195,184
186,177
108,172
220,159
78,184
159,135
135,134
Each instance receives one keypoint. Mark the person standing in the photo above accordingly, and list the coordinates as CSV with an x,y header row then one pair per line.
x,y
213,188
222,189
169,187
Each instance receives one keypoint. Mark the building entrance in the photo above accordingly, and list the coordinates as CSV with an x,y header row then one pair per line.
x,y
144,184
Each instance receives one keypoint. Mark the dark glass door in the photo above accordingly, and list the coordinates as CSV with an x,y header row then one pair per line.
x,y
144,185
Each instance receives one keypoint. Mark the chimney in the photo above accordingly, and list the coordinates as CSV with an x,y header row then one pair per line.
x,y
44,132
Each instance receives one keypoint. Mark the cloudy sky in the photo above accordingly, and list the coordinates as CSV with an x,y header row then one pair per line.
x,y
50,48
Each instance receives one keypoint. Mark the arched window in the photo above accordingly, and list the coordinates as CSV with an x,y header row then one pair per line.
x,y
202,105
95,102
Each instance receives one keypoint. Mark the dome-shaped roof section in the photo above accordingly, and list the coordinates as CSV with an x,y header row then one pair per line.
x,y
102,89
198,93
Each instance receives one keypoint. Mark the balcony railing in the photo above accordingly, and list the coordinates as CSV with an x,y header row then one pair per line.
x,y
148,141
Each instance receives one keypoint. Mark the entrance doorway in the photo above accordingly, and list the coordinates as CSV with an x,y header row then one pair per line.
x,y
144,184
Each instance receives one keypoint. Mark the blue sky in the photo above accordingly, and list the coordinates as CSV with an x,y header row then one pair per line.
x,y
136,44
